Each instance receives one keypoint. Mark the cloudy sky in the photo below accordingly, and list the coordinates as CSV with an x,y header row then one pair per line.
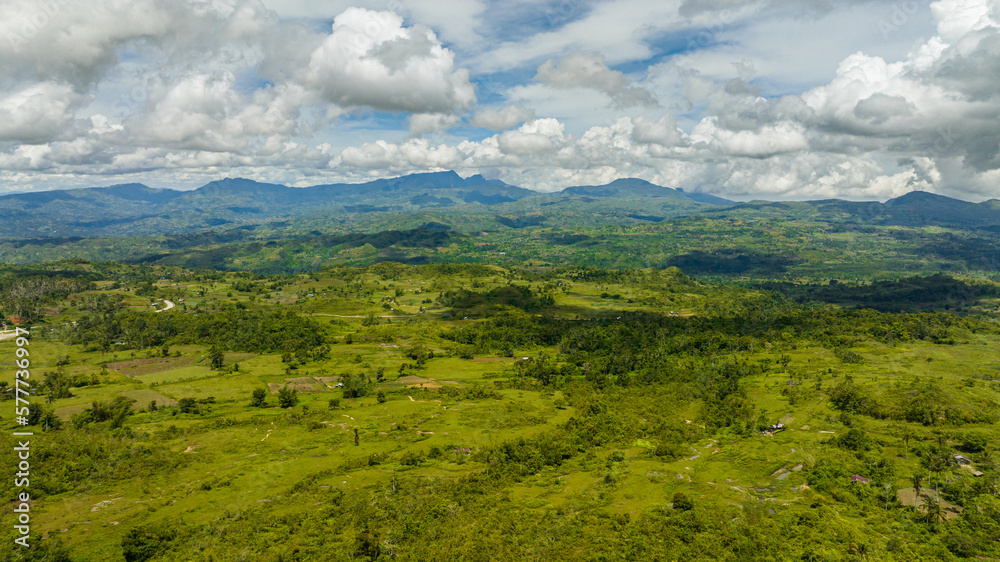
x,y
775,99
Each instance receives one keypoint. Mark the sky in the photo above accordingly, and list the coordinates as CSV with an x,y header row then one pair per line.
x,y
766,99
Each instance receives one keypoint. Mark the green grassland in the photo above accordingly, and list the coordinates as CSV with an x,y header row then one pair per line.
x,y
536,413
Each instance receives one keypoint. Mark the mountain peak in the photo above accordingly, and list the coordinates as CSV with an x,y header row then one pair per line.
x,y
623,187
632,182
924,198
240,185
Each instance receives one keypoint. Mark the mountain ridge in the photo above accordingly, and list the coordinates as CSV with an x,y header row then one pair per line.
x,y
135,208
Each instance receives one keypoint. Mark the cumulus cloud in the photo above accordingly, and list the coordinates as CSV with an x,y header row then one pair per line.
x,y
77,42
204,112
370,59
415,154
502,118
587,70
38,113
663,131
187,91
421,123
767,141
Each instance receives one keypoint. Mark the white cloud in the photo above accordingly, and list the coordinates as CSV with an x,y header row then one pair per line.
x,y
455,20
204,112
502,118
775,98
587,70
421,123
38,113
414,154
371,60
768,141
77,42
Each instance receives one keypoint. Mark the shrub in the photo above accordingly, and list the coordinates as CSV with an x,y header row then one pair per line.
x,y
287,397
682,502
187,406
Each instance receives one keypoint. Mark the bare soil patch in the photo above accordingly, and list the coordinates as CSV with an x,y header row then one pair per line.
x,y
296,386
138,367
415,381
905,496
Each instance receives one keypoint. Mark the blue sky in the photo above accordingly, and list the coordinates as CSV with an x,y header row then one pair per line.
x,y
775,99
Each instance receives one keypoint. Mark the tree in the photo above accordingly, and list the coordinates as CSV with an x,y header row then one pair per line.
x,y
187,406
216,357
907,435
258,398
380,397
888,493
57,385
934,514
917,480
367,544
287,397
35,412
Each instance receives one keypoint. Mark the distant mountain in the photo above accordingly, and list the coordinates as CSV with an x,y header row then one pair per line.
x,y
706,198
136,209
627,187
917,208
633,187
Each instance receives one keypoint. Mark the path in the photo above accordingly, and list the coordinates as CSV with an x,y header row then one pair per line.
x,y
168,305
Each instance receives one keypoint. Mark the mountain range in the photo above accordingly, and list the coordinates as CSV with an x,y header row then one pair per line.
x,y
136,209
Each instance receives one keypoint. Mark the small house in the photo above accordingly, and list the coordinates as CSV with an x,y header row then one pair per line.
x,y
858,479
962,460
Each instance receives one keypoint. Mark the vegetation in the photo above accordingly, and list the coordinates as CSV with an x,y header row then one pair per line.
x,y
481,411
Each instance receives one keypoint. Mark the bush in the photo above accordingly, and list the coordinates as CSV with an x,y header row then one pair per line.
x,y
187,406
855,440
141,543
410,459
287,397
960,545
682,502
258,398
848,356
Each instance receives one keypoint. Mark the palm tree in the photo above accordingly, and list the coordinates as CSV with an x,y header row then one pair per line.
x,y
935,514
917,480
